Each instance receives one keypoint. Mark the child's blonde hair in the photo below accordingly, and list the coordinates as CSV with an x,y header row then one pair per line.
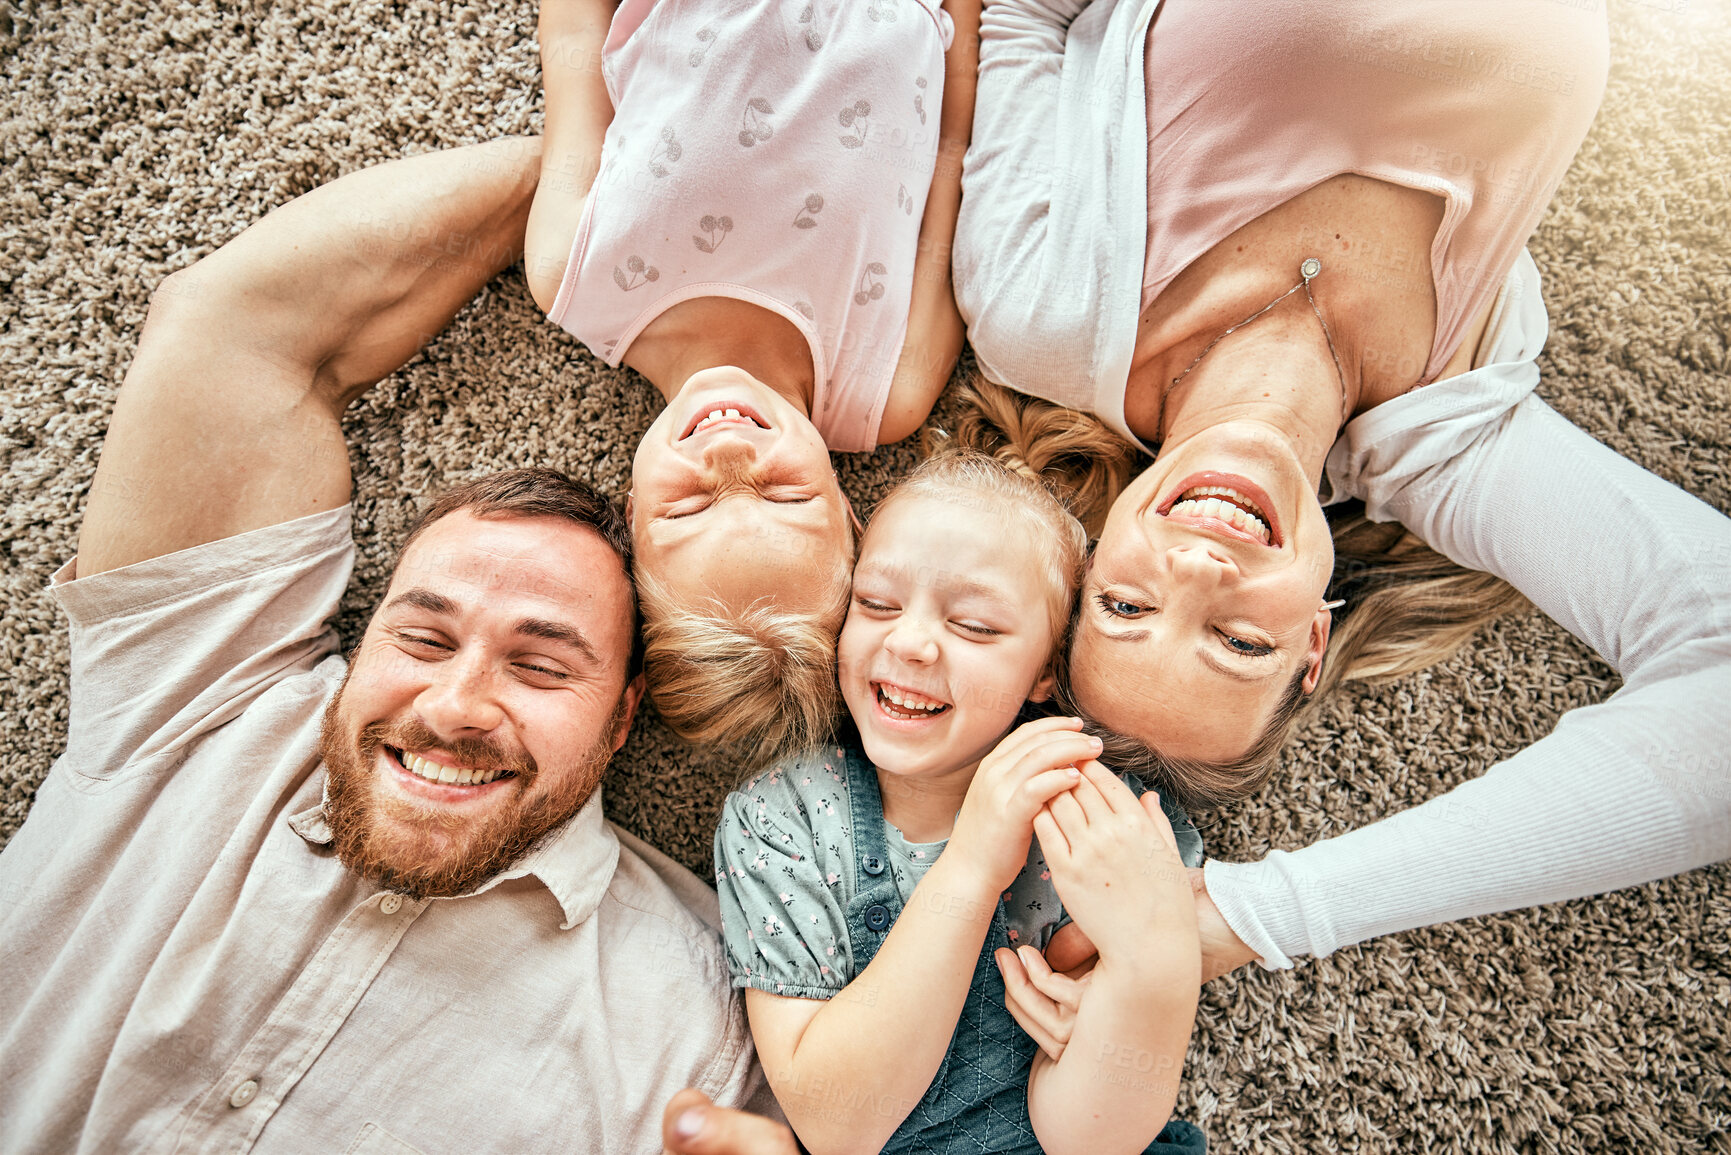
x,y
756,684
760,684
1003,486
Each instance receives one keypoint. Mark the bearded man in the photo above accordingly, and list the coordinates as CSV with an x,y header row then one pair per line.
x,y
269,901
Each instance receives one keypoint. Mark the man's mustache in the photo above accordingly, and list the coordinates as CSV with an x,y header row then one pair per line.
x,y
472,753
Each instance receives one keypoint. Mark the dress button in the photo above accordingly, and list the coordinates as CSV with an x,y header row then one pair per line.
x,y
873,864
877,916
242,1095
391,903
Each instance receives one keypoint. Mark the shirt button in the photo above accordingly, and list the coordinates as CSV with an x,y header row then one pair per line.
x,y
873,864
877,916
391,903
242,1095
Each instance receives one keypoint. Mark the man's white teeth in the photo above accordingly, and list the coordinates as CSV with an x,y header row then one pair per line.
x,y
910,701
434,772
1225,504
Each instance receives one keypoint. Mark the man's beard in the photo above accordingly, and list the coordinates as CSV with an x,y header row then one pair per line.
x,y
425,850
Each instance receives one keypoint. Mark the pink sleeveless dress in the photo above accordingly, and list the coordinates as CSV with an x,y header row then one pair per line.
x,y
776,153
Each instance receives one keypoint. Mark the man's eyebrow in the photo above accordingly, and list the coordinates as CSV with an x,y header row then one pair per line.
x,y
436,603
557,632
425,599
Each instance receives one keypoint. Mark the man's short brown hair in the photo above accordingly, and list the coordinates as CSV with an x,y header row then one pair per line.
x,y
541,493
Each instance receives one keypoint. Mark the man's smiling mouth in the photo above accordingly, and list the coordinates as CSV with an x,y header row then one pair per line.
x,y
446,775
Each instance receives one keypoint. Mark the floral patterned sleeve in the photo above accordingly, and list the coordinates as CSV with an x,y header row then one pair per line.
x,y
778,872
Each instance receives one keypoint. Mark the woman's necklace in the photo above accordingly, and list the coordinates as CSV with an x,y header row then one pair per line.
x,y
1309,268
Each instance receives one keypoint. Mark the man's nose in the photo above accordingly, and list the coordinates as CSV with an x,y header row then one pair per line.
x,y
461,697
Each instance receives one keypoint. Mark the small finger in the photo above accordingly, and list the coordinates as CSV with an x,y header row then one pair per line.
x,y
1068,813
692,1125
1053,1049
1042,788
1053,844
1030,733
1032,1011
1061,989
1059,748
1112,788
1156,812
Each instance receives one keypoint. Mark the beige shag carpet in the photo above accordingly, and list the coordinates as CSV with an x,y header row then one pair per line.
x,y
139,135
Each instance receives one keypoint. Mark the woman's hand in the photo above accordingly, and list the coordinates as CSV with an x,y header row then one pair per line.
x,y
1042,1002
1014,782
1116,868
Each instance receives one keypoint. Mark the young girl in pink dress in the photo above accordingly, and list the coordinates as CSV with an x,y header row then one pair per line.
x,y
751,204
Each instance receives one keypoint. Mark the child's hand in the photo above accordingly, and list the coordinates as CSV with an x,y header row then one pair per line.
x,y
1042,1002
1116,868
1036,761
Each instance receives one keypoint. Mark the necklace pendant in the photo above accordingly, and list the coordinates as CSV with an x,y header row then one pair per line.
x,y
1309,268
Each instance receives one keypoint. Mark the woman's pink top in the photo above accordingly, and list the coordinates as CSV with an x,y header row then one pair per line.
x,y
1251,102
775,153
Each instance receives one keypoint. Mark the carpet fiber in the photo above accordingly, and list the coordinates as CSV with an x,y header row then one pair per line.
x,y
141,134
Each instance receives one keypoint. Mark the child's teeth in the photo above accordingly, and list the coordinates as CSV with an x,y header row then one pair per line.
x,y
911,701
731,413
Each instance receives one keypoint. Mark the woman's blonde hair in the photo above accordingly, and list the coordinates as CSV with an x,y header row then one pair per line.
x,y
1407,607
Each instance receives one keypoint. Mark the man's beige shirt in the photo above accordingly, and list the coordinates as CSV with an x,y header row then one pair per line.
x,y
187,966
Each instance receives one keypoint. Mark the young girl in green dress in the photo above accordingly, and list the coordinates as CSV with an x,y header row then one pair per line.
x,y
872,890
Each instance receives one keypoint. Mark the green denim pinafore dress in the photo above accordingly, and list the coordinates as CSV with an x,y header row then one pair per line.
x,y
978,1101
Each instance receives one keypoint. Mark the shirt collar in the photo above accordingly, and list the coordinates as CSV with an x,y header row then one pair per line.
x,y
575,862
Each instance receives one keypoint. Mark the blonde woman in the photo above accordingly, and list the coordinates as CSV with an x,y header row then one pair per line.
x,y
752,205
1280,246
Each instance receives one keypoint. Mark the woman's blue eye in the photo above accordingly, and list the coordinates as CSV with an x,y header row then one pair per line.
x,y
1240,646
1118,609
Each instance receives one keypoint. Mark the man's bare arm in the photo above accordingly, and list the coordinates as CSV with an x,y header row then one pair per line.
x,y
229,419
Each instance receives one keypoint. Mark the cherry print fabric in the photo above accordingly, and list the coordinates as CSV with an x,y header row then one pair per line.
x,y
775,153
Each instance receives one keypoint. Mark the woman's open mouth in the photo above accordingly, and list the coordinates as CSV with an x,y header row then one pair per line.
x,y
1226,503
906,705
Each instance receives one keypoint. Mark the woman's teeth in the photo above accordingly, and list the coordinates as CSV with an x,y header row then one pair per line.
x,y
1225,504
906,704
724,415
433,772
